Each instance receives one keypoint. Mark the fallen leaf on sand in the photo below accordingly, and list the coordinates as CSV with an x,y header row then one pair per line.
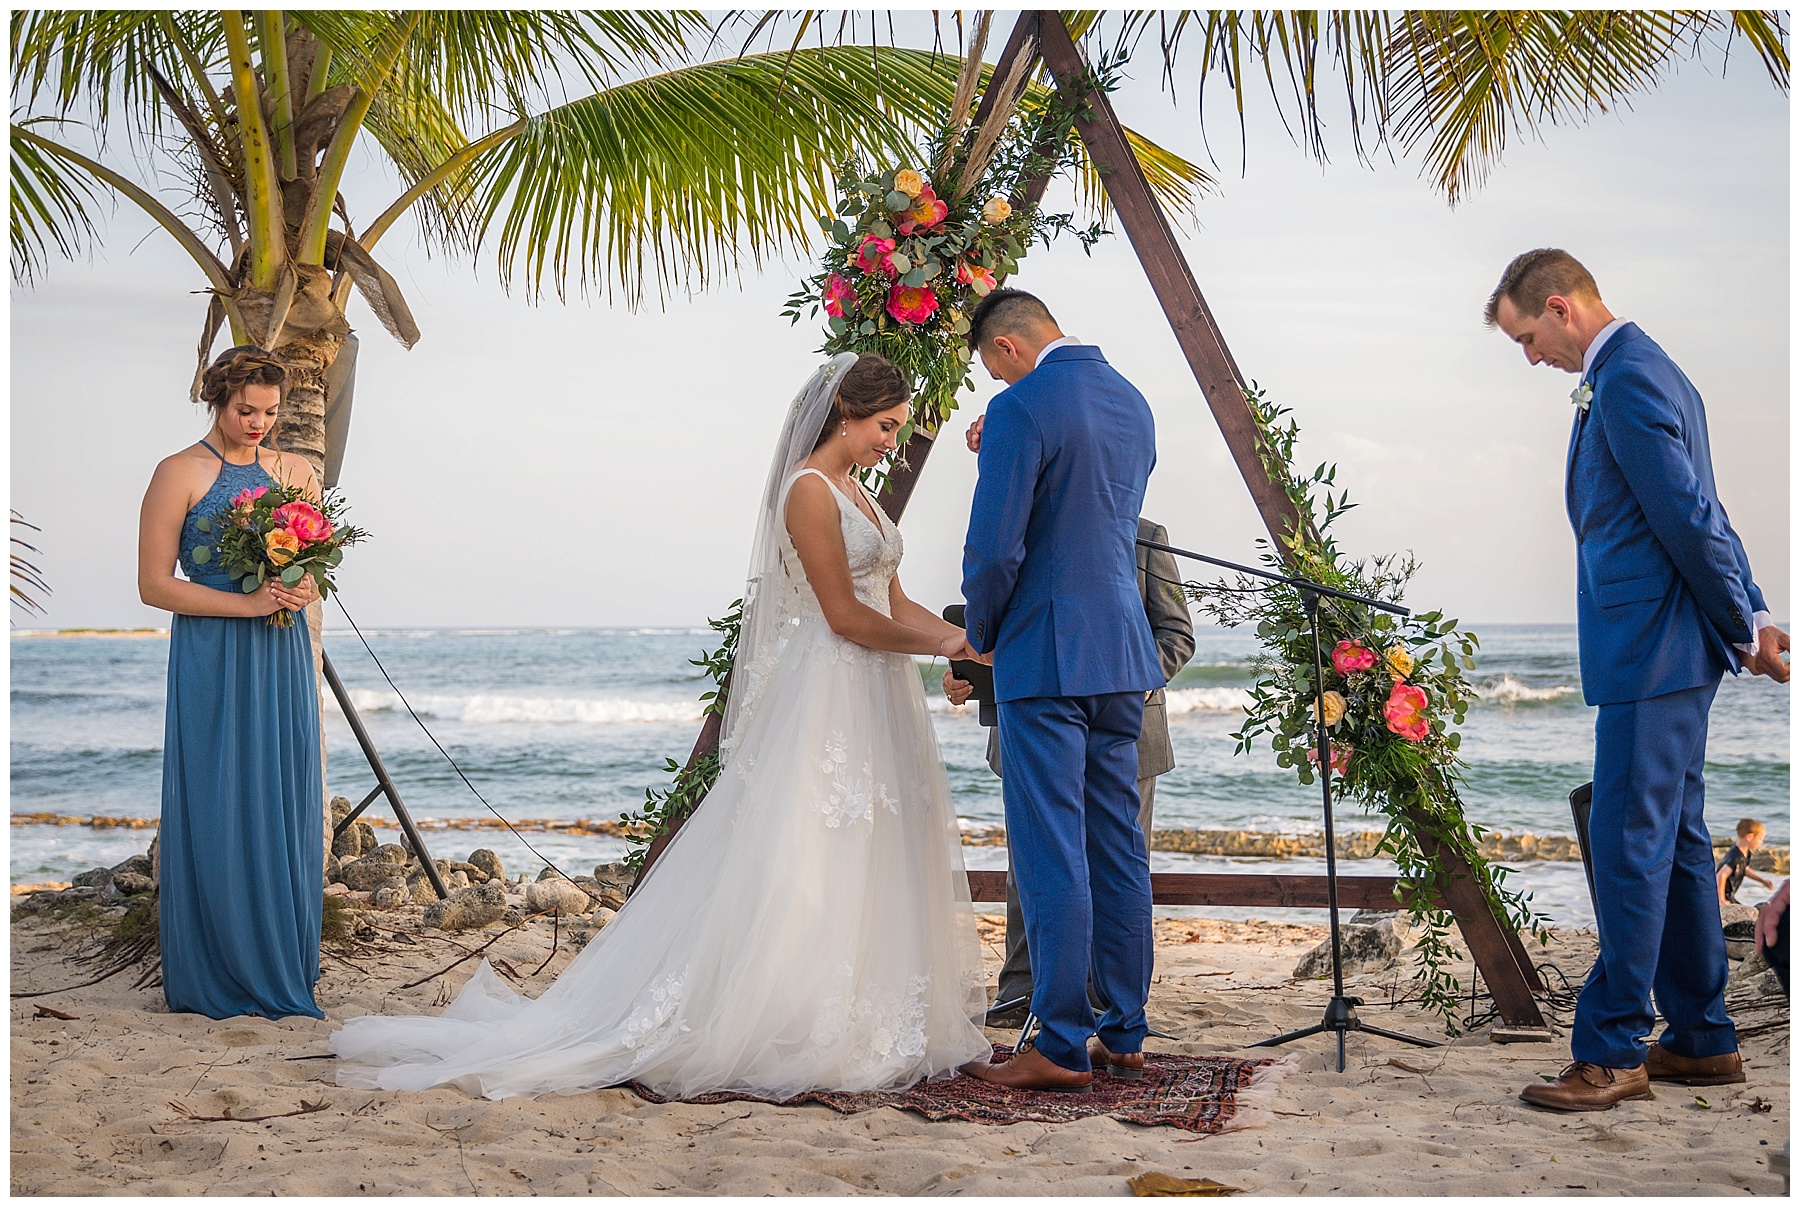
x,y
1166,1185
47,1012
1409,1067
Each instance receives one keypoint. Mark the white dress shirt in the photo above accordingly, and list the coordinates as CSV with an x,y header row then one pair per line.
x,y
1758,622
1067,341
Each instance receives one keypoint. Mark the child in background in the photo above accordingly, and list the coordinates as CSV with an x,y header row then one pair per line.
x,y
1736,864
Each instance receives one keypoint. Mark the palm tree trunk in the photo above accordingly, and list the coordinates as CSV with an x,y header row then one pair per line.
x,y
312,333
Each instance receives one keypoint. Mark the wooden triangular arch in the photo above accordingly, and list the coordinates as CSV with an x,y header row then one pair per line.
x,y
1492,941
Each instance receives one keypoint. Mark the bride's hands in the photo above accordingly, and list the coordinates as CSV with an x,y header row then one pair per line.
x,y
956,647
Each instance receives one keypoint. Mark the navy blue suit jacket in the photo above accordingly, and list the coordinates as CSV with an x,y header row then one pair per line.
x,y
1049,567
1663,584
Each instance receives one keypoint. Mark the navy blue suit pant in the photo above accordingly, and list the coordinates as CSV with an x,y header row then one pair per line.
x,y
1653,877
1081,865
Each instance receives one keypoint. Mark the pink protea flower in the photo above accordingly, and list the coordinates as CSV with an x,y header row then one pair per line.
x,y
1405,712
874,254
1349,657
306,522
912,304
837,292
1340,756
925,212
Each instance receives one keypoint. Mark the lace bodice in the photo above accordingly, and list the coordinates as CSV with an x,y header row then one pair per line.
x,y
232,478
874,551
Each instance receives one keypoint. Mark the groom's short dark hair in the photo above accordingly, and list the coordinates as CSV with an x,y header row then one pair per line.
x,y
1531,278
1006,312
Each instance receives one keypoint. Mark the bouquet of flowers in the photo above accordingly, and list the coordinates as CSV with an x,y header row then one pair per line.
x,y
276,531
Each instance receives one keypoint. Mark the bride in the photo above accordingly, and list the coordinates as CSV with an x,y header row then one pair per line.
x,y
809,927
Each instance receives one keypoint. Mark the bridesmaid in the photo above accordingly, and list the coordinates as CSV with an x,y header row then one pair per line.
x,y
242,861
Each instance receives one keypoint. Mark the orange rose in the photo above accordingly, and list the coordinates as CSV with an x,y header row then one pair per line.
x,y
282,546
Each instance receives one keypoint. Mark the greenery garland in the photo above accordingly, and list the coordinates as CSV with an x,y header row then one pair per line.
x,y
690,784
908,256
1396,689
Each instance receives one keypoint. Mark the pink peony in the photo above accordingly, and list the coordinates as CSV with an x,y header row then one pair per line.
x,y
925,212
874,253
246,496
981,279
1405,712
837,292
1349,657
912,304
308,525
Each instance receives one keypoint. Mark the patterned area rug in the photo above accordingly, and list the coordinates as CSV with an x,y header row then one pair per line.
x,y
1206,1094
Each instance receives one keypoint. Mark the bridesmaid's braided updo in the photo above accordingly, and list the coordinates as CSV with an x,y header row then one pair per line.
x,y
235,368
870,386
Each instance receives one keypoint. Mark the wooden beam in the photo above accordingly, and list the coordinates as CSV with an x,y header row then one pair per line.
x,y
1198,888
1494,947
1154,241
896,492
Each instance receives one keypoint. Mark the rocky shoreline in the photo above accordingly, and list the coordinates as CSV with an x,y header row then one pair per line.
x,y
1247,844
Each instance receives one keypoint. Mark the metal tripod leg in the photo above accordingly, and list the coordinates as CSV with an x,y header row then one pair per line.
x,y
384,783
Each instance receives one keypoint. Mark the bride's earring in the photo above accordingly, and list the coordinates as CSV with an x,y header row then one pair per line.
x,y
844,431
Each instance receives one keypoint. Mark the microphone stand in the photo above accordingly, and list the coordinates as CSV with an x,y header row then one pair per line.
x,y
1340,1013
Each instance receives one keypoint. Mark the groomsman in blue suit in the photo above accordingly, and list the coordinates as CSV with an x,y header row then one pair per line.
x,y
1666,605
1050,583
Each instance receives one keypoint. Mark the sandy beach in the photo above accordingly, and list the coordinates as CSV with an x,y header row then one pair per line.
x,y
104,1102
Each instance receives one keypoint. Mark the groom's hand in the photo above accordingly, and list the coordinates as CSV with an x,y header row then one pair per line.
x,y
973,435
957,690
1771,644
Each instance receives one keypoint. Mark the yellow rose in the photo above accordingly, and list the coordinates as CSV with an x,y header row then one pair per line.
x,y
909,182
1334,709
282,546
996,211
1399,661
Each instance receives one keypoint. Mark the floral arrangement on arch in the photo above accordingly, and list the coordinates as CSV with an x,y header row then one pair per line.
x,y
911,250
1396,688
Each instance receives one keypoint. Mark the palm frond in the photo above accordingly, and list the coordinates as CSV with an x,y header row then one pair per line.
x,y
102,58
49,208
1457,83
679,176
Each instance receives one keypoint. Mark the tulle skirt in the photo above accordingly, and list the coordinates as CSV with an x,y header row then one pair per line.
x,y
809,928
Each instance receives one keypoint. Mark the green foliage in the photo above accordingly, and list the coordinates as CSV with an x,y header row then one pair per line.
x,y
241,532
688,785
337,919
899,278
1389,754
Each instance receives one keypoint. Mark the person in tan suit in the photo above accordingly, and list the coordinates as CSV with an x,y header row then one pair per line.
x,y
1165,604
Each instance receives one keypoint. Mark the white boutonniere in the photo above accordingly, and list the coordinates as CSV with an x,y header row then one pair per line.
x,y
1581,396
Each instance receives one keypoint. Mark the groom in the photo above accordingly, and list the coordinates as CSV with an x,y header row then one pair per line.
x,y
1666,606
1050,580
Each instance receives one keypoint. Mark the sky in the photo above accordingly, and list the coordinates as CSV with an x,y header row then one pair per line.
x,y
576,464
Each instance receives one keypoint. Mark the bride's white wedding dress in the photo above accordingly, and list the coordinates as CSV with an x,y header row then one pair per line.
x,y
808,928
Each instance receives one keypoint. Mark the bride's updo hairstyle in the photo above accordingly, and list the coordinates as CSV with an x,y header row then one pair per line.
x,y
235,368
872,385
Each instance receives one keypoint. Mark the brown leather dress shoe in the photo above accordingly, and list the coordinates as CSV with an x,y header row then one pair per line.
x,y
1727,1068
1587,1087
1129,1065
1032,1070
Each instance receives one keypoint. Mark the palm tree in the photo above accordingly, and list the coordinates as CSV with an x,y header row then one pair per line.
x,y
1456,83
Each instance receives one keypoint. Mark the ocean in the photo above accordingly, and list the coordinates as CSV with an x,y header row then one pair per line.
x,y
576,723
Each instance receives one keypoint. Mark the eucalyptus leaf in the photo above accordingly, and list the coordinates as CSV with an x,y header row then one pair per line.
x,y
202,555
840,231
868,328
915,278
203,524
249,584
897,201
292,574
838,326
881,230
902,263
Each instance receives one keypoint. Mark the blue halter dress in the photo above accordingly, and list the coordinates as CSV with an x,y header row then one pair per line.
x,y
242,850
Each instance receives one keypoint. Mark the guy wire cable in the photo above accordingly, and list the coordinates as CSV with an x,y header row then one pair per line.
x,y
440,746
